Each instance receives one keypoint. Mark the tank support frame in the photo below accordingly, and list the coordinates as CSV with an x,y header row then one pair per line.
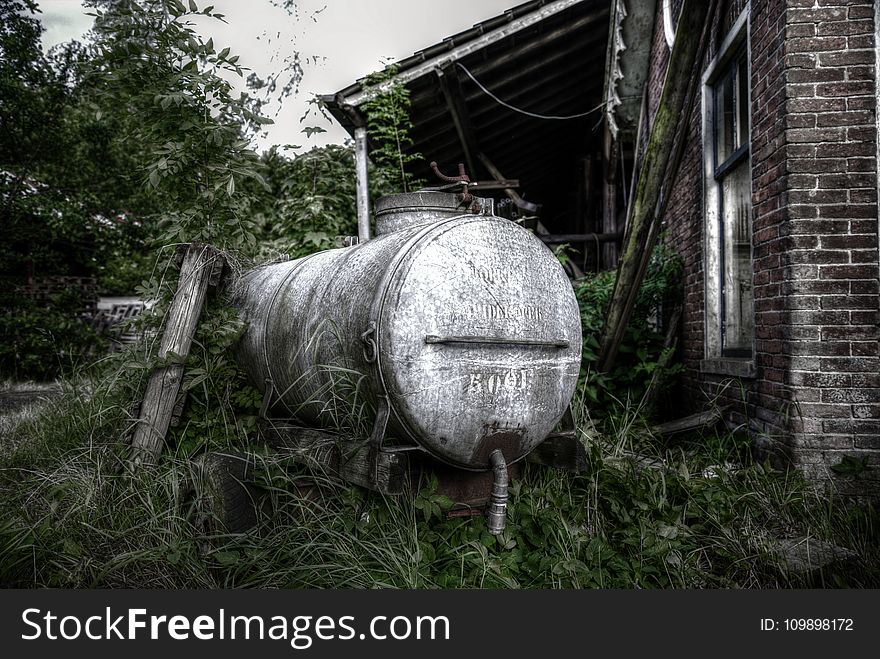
x,y
396,470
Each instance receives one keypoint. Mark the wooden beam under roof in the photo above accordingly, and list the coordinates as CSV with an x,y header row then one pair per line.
x,y
450,85
510,192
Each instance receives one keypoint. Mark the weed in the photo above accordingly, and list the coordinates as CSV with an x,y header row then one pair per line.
x,y
702,515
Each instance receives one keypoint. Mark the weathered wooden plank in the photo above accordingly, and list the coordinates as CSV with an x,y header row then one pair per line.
x,y
163,387
477,186
557,238
610,154
694,421
658,170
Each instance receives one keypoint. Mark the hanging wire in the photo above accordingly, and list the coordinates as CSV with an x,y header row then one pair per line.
x,y
521,111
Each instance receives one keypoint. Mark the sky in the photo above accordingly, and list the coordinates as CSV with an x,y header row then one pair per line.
x,y
338,41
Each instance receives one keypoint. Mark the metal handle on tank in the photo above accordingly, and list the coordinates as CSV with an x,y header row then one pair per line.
x,y
493,340
371,350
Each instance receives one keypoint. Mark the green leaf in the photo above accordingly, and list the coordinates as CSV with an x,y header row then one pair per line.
x,y
227,557
317,238
230,186
72,547
850,465
668,532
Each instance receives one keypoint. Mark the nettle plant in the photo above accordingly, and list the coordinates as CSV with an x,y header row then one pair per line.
x,y
389,124
642,352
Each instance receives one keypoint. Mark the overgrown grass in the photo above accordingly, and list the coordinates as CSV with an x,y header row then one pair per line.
x,y
701,515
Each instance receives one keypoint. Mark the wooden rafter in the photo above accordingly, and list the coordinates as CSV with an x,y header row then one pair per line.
x,y
451,88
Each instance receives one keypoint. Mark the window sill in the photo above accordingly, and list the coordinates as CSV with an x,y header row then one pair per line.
x,y
740,368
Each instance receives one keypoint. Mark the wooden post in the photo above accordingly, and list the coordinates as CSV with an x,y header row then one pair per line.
x,y
658,170
164,384
610,153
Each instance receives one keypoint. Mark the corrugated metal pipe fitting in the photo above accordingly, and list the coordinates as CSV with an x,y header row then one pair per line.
x,y
496,511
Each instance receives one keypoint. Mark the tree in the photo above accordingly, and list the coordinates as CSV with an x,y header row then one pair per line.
x,y
66,195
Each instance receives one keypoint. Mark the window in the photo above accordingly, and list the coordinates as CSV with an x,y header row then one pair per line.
x,y
728,191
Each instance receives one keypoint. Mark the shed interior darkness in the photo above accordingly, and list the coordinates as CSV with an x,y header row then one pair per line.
x,y
553,67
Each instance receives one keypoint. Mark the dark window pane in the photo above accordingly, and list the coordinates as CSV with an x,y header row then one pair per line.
x,y
724,118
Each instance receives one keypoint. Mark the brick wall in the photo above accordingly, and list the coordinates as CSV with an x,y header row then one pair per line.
x,y
814,214
772,398
830,244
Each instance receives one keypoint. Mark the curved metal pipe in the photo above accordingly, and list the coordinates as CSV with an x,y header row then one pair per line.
x,y
496,511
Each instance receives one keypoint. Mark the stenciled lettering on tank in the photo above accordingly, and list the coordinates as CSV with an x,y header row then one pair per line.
x,y
490,274
497,382
500,312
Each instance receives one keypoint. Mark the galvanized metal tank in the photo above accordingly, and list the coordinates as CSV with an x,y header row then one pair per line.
x,y
466,323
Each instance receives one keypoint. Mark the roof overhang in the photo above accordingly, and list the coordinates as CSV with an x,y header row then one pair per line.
x,y
629,52
545,57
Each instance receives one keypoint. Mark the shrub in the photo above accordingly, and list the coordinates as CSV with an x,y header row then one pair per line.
x,y
39,342
642,350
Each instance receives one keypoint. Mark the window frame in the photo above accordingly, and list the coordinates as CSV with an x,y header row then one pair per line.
x,y
734,46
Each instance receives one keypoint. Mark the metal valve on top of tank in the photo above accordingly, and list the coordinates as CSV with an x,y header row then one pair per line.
x,y
467,199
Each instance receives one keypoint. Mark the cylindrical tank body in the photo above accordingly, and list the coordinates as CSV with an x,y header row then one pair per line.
x,y
464,322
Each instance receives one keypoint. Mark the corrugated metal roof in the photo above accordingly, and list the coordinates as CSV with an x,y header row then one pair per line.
x,y
544,57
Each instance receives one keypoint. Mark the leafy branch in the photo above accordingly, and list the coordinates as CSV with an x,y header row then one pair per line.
x,y
389,125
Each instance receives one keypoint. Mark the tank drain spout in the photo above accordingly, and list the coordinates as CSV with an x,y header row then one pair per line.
x,y
496,512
